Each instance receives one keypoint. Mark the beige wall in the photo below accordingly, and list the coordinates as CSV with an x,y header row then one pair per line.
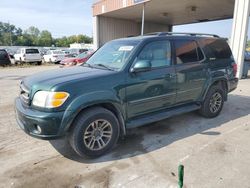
x,y
112,28
110,5
155,27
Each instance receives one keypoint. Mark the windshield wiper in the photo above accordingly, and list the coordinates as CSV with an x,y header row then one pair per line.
x,y
105,66
87,65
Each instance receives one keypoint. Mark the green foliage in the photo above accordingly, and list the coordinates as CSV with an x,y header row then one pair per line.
x,y
248,43
11,35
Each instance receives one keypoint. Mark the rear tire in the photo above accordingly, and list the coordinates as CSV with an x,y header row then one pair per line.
x,y
94,132
213,103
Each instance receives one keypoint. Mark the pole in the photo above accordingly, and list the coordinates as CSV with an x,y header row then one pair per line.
x,y
180,175
10,34
239,32
143,19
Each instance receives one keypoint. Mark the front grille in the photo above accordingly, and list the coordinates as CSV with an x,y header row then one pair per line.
x,y
24,94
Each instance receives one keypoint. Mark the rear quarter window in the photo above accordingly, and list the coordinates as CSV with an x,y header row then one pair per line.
x,y
217,48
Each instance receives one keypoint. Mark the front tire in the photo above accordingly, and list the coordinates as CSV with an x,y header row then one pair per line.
x,y
94,132
213,102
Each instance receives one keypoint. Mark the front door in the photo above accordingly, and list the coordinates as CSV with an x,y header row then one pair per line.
x,y
153,90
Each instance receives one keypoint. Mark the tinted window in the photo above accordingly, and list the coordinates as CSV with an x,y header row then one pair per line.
x,y
32,51
58,52
219,49
158,53
187,51
3,54
83,55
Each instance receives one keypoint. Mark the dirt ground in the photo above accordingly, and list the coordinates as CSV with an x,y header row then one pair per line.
x,y
215,152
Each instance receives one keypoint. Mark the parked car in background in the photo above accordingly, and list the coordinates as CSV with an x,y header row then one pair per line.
x,y
78,60
28,55
4,58
54,56
247,56
127,83
76,51
11,53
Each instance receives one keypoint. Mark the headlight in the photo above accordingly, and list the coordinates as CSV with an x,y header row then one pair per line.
x,y
49,99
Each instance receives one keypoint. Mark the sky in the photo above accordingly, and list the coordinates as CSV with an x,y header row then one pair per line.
x,y
60,17
70,17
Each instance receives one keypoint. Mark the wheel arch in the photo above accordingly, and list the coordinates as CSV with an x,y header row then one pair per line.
x,y
112,107
222,82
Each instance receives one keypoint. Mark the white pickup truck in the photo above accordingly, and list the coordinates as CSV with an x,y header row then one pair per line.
x,y
28,55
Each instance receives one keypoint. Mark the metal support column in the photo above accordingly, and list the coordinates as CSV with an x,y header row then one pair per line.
x,y
96,34
143,19
239,32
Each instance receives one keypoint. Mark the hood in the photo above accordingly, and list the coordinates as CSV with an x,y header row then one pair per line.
x,y
48,79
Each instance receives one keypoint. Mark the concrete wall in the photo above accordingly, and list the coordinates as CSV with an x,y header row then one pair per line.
x,y
106,29
155,27
112,28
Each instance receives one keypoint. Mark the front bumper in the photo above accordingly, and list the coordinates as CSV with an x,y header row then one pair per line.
x,y
29,119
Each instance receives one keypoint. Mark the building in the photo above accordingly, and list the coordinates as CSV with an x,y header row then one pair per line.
x,y
81,46
121,18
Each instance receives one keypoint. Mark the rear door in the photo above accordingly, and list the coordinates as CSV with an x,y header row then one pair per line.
x,y
191,70
153,90
32,54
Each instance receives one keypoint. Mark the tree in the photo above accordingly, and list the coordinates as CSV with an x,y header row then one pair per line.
x,y
11,35
34,33
45,38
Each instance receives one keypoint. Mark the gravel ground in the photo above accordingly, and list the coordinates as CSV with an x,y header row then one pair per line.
x,y
215,152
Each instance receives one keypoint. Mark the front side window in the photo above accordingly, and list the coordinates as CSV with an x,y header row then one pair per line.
x,y
113,54
187,51
158,53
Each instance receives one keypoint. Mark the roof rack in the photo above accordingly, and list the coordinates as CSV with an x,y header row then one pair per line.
x,y
179,33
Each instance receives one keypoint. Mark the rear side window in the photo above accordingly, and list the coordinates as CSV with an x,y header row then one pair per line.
x,y
3,54
219,49
32,51
187,51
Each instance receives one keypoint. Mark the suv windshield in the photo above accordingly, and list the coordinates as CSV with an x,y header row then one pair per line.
x,y
113,54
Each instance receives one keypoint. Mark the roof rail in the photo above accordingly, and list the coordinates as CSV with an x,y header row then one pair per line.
x,y
179,33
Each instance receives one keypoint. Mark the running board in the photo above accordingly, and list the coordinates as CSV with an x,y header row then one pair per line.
x,y
161,115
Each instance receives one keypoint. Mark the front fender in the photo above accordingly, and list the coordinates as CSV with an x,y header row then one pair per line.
x,y
86,100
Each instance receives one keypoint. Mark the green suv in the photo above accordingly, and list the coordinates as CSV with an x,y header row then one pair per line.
x,y
127,83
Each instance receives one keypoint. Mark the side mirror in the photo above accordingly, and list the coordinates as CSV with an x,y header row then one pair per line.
x,y
141,66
